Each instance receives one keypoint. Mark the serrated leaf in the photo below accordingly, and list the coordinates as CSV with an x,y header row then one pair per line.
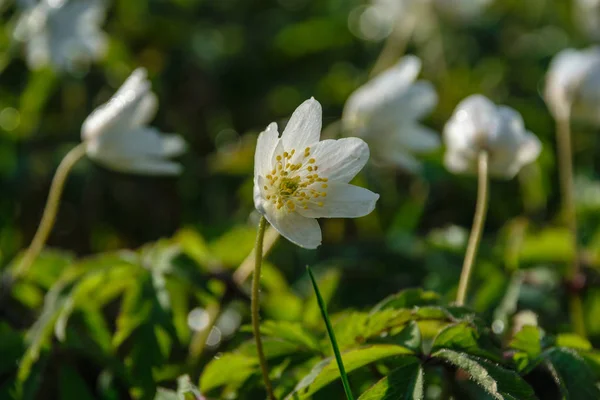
x,y
498,382
408,298
528,343
229,369
571,373
404,383
463,337
327,371
528,340
409,337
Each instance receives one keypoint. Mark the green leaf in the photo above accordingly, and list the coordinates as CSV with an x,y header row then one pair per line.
x,y
409,337
571,373
463,337
404,382
407,299
528,340
272,348
72,385
233,247
327,371
573,341
292,332
11,348
499,383
550,244
229,369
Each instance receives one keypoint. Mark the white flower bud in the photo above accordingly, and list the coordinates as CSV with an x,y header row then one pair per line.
x,y
479,125
573,85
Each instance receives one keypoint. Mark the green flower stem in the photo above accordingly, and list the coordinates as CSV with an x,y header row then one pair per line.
x,y
50,210
255,306
565,171
477,229
247,266
336,350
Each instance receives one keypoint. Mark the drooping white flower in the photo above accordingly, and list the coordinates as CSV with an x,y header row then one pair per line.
x,y
573,85
386,112
298,178
479,125
117,136
62,33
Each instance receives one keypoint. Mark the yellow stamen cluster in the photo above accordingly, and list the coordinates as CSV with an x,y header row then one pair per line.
x,y
294,185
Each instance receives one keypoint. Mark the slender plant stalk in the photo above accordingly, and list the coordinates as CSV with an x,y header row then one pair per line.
x,y
336,350
565,171
50,210
255,306
477,229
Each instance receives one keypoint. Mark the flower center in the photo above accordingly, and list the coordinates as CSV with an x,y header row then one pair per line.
x,y
292,185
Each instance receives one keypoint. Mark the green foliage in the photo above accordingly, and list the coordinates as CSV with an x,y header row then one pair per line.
x,y
98,321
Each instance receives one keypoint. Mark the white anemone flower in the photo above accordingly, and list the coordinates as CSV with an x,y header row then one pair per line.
x,y
117,136
479,125
386,113
298,178
62,33
573,85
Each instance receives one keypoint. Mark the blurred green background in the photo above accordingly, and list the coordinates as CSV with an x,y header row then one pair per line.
x,y
224,69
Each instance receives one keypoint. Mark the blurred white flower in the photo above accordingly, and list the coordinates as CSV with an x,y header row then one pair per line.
x,y
573,85
62,33
386,112
479,125
378,19
298,178
587,17
117,137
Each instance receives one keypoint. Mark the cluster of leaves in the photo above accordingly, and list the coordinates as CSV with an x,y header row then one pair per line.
x,y
406,346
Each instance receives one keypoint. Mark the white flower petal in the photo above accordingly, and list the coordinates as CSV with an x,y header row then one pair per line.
x,y
340,160
416,138
530,149
398,157
303,232
460,162
382,90
265,145
132,105
304,126
343,201
141,166
420,99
